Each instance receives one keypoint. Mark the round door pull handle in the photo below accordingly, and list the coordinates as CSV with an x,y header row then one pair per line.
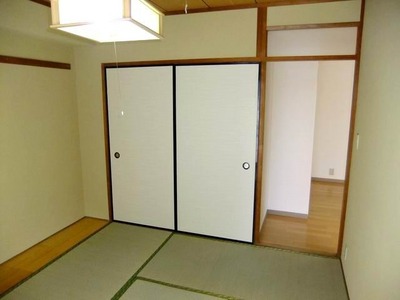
x,y
246,165
117,155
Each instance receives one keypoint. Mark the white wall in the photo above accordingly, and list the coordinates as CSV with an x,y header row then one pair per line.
x,y
33,20
40,167
372,228
289,134
332,118
186,37
287,151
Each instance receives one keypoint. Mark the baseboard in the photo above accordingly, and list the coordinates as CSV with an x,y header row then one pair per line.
x,y
344,277
286,214
319,179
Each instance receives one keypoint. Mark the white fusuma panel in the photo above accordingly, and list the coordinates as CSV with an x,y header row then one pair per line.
x,y
216,115
140,110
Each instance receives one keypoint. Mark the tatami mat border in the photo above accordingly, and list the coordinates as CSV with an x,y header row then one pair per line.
x,y
180,287
207,293
133,278
207,237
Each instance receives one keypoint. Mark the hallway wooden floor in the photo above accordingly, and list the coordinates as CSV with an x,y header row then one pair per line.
x,y
317,234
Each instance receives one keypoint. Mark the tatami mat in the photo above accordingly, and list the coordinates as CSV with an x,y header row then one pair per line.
x,y
148,290
134,262
244,271
97,268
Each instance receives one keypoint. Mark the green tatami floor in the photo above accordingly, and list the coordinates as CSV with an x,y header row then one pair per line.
x,y
131,262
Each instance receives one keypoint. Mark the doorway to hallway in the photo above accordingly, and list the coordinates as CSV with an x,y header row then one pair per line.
x,y
319,233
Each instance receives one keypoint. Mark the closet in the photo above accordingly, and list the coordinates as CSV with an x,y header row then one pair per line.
x,y
183,145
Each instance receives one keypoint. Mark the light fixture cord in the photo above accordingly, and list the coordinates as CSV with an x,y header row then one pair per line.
x,y
186,7
115,54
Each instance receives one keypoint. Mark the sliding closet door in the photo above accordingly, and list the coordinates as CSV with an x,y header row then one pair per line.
x,y
140,109
216,108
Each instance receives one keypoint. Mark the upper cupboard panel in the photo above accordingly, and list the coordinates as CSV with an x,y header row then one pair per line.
x,y
327,41
331,12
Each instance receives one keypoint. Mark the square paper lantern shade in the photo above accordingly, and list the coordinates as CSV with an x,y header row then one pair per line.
x,y
107,20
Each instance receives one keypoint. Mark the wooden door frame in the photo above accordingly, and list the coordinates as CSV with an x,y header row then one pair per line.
x,y
262,55
352,127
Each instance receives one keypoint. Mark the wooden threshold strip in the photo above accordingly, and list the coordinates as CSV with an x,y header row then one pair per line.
x,y
311,58
313,26
27,263
34,62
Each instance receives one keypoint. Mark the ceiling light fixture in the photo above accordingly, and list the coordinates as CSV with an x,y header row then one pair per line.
x,y
107,20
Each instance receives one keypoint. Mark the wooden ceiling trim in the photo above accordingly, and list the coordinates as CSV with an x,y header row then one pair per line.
x,y
175,7
167,6
218,3
43,2
256,4
294,2
219,8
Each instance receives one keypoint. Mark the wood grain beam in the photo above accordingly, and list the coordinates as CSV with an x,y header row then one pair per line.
x,y
313,26
352,127
33,62
311,58
42,2
261,54
293,2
